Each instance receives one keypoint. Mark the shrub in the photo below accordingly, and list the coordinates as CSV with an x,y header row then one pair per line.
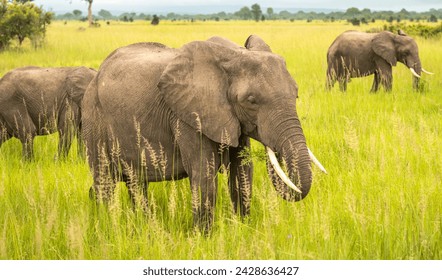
x,y
425,31
22,20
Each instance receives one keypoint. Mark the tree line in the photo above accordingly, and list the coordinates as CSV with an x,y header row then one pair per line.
x,y
256,13
21,19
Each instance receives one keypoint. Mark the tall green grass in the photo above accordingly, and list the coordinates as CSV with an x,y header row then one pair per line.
x,y
381,198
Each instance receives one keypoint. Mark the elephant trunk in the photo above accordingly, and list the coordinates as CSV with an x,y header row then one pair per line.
x,y
416,70
293,154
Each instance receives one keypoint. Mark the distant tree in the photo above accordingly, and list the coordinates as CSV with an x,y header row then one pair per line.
x,y
352,12
89,12
432,18
68,16
256,11
21,20
77,13
404,14
172,16
244,13
285,14
155,20
5,35
366,11
105,14
355,21
270,13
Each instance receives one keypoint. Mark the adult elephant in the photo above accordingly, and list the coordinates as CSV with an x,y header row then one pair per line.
x,y
38,101
155,113
358,54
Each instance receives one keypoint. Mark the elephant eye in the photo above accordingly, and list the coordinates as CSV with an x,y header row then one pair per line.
x,y
251,99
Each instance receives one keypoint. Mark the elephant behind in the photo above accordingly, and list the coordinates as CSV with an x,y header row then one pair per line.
x,y
358,54
39,101
155,113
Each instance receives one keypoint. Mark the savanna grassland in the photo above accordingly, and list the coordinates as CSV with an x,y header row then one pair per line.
x,y
381,199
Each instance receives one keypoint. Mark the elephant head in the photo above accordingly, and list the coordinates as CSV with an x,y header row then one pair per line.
x,y
393,48
225,92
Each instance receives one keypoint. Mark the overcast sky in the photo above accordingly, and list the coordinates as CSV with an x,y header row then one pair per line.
x,y
162,6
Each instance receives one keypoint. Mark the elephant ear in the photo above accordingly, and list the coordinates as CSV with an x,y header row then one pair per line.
x,y
383,45
255,43
77,82
194,86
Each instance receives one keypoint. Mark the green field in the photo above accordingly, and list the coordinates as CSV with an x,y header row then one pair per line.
x,y
382,198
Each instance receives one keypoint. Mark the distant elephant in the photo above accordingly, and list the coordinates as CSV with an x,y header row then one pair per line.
x,y
359,54
155,113
38,101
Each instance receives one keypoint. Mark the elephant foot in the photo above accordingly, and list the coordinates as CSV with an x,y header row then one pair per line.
x,y
92,193
102,193
203,222
139,199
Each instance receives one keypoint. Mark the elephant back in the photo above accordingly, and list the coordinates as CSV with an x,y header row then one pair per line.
x,y
134,53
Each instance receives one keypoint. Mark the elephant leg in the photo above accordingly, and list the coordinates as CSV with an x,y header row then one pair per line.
x,y
331,78
81,148
137,188
343,83
387,81
241,176
139,197
385,72
27,140
201,162
24,129
65,141
66,131
376,82
104,174
204,186
4,134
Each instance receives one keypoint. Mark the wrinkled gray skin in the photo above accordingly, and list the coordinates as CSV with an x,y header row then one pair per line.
x,y
161,113
358,54
39,101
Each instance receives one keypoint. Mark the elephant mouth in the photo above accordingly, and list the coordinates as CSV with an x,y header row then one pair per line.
x,y
280,172
416,74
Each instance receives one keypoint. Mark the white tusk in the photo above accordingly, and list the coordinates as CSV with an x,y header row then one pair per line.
x,y
316,161
425,71
279,171
414,73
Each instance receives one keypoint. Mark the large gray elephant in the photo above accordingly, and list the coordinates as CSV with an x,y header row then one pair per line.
x,y
156,113
359,54
38,101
